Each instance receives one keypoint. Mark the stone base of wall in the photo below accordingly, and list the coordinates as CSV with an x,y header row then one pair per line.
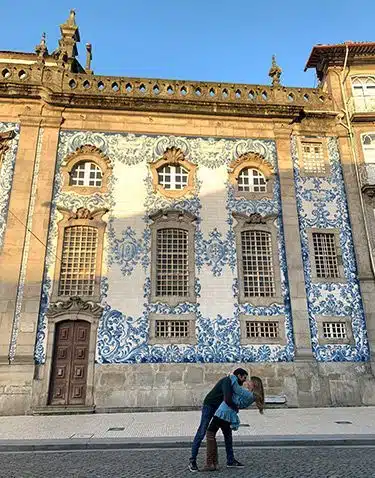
x,y
16,382
305,384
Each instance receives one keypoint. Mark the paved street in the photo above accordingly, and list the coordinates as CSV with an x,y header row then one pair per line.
x,y
311,462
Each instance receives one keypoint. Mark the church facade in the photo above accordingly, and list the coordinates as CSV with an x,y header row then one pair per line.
x,y
154,234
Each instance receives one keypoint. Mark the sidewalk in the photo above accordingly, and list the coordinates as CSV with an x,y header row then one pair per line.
x,y
283,427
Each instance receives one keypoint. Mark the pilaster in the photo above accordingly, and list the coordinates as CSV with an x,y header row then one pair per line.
x,y
301,327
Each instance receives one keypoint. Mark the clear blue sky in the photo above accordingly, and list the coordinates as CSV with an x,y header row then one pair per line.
x,y
213,40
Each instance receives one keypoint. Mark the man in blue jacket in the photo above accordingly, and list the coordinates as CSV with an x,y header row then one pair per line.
x,y
221,391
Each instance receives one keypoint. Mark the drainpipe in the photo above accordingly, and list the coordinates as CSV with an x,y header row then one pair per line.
x,y
354,154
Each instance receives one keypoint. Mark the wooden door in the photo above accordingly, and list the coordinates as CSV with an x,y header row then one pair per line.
x,y
70,363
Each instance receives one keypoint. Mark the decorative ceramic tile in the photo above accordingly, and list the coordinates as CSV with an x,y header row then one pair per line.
x,y
321,203
6,175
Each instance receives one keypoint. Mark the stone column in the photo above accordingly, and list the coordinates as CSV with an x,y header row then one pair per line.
x,y
301,327
35,250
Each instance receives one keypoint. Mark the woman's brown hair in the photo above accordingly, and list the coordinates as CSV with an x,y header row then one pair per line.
x,y
258,392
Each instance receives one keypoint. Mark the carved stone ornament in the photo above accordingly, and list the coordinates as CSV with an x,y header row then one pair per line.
x,y
173,155
74,305
275,72
84,213
87,150
251,159
5,139
254,218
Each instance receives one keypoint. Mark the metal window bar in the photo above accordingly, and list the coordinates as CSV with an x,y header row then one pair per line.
x,y
257,266
325,255
313,158
262,329
334,330
171,328
172,263
78,261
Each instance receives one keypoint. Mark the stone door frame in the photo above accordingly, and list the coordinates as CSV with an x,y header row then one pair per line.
x,y
73,309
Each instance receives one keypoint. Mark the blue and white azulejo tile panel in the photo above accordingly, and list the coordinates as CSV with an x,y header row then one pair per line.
x,y
321,203
7,166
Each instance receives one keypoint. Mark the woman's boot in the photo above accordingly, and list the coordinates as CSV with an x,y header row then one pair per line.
x,y
211,453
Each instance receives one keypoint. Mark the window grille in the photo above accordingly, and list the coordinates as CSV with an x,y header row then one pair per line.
x,y
173,177
262,329
171,328
257,267
368,142
313,158
334,330
172,263
251,180
326,263
78,262
86,173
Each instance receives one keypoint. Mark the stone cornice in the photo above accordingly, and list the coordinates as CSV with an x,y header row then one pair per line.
x,y
74,305
58,87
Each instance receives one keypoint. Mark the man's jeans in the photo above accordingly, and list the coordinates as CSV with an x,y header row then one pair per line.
x,y
207,414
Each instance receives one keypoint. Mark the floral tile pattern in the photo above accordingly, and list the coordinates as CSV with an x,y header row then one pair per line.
x,y
321,203
123,338
6,175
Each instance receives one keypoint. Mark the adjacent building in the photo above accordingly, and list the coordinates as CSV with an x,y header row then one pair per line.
x,y
155,233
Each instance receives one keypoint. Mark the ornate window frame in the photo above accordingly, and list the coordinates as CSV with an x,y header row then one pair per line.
x,y
82,217
314,277
190,339
256,161
91,154
280,319
256,222
173,157
316,140
179,220
321,319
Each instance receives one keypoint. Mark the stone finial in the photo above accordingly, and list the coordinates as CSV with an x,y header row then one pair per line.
x,y
72,18
41,49
88,57
275,72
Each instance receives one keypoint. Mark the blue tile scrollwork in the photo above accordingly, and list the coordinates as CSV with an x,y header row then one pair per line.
x,y
321,203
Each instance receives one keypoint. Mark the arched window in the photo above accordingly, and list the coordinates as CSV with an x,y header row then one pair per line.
x,y
86,173
368,144
251,180
173,177
364,86
364,93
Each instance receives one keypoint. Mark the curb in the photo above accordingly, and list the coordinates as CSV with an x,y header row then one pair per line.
x,y
8,446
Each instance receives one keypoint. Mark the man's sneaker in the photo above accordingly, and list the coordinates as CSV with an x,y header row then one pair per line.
x,y
235,464
193,466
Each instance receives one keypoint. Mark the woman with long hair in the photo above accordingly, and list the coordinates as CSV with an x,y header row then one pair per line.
x,y
227,419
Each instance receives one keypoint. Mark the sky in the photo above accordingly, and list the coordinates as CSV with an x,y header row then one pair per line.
x,y
201,40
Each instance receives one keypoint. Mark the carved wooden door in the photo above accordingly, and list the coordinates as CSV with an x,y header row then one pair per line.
x,y
70,363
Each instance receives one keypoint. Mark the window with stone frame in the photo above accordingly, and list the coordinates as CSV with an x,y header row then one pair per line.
x,y
258,262
334,330
173,263
252,177
173,175
313,154
325,255
368,145
172,329
86,171
79,254
262,329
